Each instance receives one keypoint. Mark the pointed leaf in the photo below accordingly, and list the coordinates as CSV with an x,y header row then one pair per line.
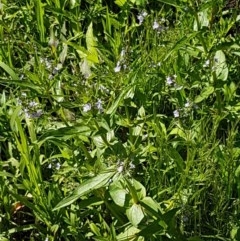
x,y
91,45
118,193
135,214
7,69
205,94
120,3
86,187
220,65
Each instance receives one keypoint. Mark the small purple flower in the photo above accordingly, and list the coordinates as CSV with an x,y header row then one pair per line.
x,y
57,166
99,105
32,104
156,25
36,114
170,80
131,165
117,68
122,54
187,104
206,64
87,107
176,113
141,17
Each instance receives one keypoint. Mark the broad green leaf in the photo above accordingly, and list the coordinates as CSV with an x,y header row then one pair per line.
x,y
140,2
120,3
136,190
203,20
141,190
3,239
179,132
7,69
205,94
129,234
135,214
86,187
82,52
118,193
149,202
66,132
220,65
99,142
91,45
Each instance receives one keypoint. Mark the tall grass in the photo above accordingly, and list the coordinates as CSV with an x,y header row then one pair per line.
x,y
119,120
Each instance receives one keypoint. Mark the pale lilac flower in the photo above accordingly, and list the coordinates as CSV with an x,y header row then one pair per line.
x,y
176,113
19,102
131,165
170,80
163,20
48,64
26,111
55,70
187,104
117,68
206,64
57,166
156,25
21,77
87,107
141,17
99,105
36,114
122,54
144,14
32,104
120,168
103,88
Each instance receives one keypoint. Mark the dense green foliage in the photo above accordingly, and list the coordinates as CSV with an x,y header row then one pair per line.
x,y
119,120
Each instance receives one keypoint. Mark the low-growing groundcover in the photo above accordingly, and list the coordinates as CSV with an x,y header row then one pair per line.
x,y
119,120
